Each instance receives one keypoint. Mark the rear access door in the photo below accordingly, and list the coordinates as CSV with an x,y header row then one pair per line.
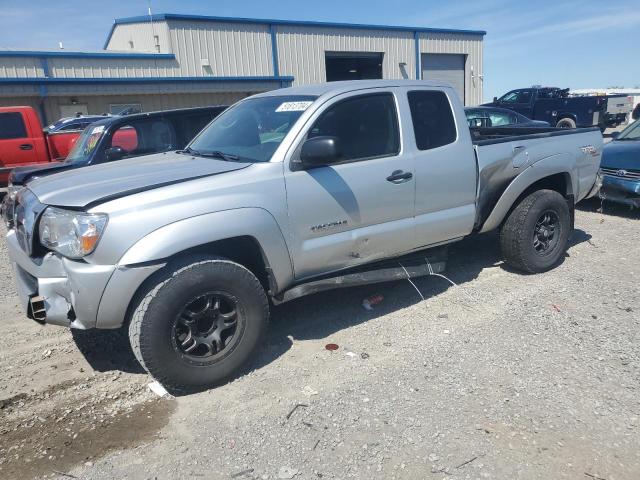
x,y
445,166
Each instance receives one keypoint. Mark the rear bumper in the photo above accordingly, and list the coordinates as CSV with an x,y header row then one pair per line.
x,y
621,190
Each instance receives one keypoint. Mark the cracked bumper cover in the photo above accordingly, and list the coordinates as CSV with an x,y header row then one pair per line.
x,y
76,294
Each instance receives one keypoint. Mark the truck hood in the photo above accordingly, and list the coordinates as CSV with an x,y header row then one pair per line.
x,y
20,175
621,154
98,183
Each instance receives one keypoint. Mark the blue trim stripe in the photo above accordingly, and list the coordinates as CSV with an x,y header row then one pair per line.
x,y
416,39
305,23
120,80
45,66
63,53
274,50
299,23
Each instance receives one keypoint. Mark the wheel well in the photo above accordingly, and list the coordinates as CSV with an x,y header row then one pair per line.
x,y
244,250
566,115
559,182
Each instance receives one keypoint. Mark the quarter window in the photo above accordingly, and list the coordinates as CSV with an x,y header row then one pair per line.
x,y
12,125
366,126
433,123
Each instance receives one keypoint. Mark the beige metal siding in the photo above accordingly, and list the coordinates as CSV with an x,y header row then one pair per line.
x,y
97,105
301,50
232,49
20,67
467,44
141,34
64,67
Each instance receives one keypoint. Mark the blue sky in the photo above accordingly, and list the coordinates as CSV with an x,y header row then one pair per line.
x,y
577,44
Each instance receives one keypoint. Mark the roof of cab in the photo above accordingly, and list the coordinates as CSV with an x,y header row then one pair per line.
x,y
346,86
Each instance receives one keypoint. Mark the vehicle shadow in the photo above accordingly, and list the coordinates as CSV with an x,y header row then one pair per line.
x,y
107,350
321,315
595,205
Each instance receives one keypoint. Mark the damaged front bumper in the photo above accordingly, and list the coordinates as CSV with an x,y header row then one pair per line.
x,y
55,290
621,190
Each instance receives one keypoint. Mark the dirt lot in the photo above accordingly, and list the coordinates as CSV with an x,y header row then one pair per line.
x,y
504,376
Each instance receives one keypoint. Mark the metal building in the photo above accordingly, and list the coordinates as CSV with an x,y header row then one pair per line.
x,y
170,61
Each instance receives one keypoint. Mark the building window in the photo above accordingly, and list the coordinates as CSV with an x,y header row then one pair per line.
x,y
353,65
124,108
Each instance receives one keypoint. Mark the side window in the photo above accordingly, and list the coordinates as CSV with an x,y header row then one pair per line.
x,y
499,119
12,125
72,126
366,126
126,138
433,123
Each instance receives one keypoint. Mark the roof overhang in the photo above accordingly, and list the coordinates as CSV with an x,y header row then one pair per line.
x,y
299,23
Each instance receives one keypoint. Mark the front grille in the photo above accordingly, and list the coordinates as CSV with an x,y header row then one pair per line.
x,y
621,173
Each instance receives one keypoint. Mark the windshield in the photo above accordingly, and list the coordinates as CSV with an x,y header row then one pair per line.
x,y
632,132
253,129
85,144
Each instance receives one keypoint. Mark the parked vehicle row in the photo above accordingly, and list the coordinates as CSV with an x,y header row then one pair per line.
x,y
556,106
24,142
286,193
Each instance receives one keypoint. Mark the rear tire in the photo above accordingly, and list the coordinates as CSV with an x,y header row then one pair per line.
x,y
566,123
199,322
535,234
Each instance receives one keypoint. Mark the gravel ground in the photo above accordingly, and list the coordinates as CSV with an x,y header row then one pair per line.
x,y
504,376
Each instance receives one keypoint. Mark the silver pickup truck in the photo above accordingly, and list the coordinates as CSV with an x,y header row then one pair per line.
x,y
286,193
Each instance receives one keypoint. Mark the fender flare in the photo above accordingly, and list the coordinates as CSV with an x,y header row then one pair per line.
x,y
182,235
553,165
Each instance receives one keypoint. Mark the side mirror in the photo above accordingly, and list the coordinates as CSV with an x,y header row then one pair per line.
x,y
615,135
319,151
114,153
495,99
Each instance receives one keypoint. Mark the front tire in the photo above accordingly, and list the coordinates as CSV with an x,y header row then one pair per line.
x,y
535,234
199,322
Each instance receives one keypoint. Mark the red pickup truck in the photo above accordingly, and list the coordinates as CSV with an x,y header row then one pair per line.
x,y
24,142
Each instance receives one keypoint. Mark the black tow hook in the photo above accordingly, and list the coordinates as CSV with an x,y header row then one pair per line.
x,y
37,310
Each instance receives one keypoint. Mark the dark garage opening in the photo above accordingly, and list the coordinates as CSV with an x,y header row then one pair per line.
x,y
353,66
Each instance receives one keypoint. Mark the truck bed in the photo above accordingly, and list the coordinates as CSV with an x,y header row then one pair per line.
x,y
489,136
502,154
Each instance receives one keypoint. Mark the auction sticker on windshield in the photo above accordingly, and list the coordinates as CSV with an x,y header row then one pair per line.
x,y
293,106
98,129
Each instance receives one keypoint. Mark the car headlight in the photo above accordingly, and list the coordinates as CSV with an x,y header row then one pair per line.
x,y
8,205
72,234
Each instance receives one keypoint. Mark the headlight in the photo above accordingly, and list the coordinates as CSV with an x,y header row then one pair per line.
x,y
7,205
72,234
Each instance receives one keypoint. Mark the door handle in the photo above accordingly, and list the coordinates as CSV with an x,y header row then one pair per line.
x,y
398,176
26,146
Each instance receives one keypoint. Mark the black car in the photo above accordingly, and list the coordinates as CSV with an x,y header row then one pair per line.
x,y
620,167
499,117
117,137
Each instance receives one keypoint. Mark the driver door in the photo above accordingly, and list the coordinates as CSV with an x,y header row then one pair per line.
x,y
355,209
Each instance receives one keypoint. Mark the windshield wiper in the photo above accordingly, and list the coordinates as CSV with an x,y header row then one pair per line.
x,y
229,157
